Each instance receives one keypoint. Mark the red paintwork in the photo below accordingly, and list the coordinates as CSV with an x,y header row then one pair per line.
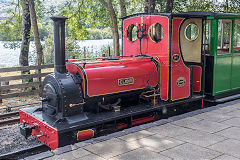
x,y
137,122
85,134
159,51
197,75
50,135
122,126
179,69
142,120
102,76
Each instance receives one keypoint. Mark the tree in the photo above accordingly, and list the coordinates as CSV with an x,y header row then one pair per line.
x,y
194,5
150,6
82,15
12,29
123,9
169,6
35,32
113,24
26,26
227,7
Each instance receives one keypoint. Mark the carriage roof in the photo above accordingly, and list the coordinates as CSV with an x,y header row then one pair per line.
x,y
193,14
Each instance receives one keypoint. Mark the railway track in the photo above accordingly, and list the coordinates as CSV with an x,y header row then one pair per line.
x,y
23,153
9,118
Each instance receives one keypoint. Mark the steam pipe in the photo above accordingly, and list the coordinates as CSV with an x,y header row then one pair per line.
x,y
59,44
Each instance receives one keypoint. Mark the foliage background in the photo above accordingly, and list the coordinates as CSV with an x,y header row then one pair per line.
x,y
87,19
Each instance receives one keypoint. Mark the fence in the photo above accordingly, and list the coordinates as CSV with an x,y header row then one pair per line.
x,y
5,88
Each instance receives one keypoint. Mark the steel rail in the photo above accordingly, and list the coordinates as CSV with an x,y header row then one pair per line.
x,y
9,108
23,153
12,117
9,121
9,118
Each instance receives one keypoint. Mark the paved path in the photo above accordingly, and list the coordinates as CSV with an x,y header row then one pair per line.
x,y
210,134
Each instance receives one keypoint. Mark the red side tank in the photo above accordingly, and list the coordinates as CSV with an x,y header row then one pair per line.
x,y
114,76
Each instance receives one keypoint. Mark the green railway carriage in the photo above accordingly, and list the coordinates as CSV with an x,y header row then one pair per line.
x,y
222,49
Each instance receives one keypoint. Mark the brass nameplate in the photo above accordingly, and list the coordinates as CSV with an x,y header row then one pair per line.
x,y
181,81
125,81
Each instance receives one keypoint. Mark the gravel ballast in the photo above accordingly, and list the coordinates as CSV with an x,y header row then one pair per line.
x,y
11,140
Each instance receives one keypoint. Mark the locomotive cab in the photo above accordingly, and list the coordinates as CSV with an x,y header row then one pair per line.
x,y
175,41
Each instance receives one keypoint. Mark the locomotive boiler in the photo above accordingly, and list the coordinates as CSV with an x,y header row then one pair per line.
x,y
162,67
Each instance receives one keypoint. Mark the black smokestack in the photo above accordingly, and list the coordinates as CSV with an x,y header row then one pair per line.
x,y
59,43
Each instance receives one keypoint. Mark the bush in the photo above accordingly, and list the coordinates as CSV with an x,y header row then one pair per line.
x,y
48,49
73,50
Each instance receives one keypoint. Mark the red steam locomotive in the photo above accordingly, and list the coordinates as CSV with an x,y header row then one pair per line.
x,y
161,67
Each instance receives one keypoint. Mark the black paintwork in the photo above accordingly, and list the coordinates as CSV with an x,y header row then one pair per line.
x,y
66,128
26,130
59,43
62,92
209,74
170,59
104,117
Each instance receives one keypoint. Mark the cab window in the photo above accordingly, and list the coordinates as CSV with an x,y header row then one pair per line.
x,y
224,36
236,38
191,32
156,32
131,33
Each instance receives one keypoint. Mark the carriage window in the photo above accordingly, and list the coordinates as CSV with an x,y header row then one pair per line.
x,y
156,32
224,36
131,33
191,32
236,39
207,37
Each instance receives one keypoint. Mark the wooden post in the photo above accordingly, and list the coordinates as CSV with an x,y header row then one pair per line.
x,y
84,52
0,92
26,72
3,83
38,71
109,51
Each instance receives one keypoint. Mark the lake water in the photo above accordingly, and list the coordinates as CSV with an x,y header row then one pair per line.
x,y
10,57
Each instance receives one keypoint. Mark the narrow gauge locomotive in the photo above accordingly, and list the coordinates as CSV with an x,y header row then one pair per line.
x,y
165,59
